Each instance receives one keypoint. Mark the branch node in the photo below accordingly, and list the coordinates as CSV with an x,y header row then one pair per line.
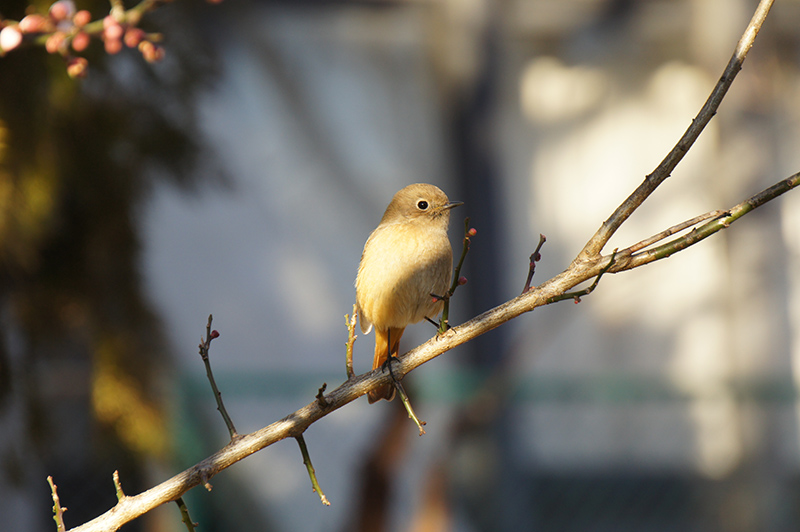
x,y
576,296
205,477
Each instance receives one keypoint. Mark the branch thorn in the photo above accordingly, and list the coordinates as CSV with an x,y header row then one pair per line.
x,y
321,401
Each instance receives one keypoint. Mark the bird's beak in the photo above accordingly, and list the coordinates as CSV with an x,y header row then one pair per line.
x,y
452,204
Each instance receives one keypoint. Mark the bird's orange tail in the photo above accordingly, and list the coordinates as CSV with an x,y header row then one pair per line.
x,y
387,343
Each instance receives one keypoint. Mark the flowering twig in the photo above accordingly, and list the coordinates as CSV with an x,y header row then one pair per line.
x,y
67,31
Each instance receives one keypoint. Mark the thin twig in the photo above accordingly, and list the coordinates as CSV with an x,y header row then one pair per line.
x,y
407,404
457,280
647,242
708,229
350,323
595,245
404,397
310,468
185,517
535,257
205,345
58,510
118,486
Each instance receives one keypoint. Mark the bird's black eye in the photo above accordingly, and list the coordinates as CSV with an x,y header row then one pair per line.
x,y
422,205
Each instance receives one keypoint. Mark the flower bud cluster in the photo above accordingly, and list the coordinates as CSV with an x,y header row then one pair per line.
x,y
65,30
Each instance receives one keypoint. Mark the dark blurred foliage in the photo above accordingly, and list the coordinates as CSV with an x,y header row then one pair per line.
x,y
80,348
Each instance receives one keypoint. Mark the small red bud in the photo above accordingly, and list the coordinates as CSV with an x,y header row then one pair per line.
x,y
77,67
214,334
54,42
34,23
113,29
82,18
462,280
133,37
81,41
113,46
151,52
472,231
62,10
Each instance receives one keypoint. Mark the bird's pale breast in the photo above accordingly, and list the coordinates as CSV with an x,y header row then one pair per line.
x,y
401,266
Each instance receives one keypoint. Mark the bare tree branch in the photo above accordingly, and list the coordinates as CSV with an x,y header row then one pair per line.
x,y
664,170
587,265
722,221
295,424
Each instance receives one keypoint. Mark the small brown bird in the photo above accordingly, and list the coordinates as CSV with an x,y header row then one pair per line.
x,y
406,259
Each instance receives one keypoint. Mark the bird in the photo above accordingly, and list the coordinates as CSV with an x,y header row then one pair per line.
x,y
407,261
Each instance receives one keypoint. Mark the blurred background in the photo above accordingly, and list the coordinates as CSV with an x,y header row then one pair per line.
x,y
241,176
